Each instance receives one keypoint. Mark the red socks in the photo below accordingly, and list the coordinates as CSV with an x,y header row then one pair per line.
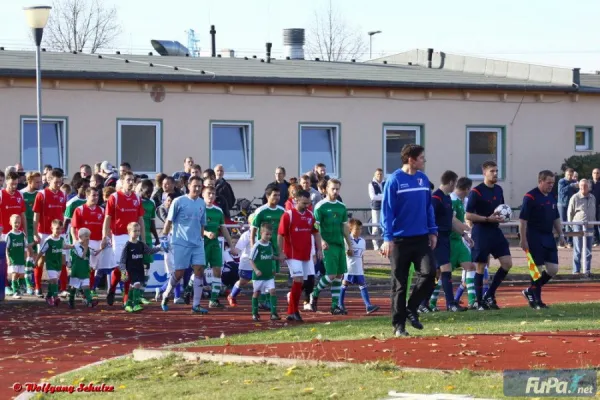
x,y
64,278
38,272
114,281
92,278
296,292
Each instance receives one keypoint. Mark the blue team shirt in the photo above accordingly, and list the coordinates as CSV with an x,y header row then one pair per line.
x,y
442,208
188,217
540,211
483,200
406,208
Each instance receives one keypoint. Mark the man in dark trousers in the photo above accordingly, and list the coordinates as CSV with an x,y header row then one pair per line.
x,y
410,235
596,192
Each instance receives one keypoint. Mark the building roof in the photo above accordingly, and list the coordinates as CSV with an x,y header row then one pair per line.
x,y
57,65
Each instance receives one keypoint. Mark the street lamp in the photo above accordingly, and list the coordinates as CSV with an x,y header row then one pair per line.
x,y
37,18
371,42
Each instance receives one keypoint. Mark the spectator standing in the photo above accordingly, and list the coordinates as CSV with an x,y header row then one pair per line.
x,y
46,175
85,171
282,184
167,188
315,196
22,180
582,208
567,187
109,174
188,164
376,195
223,187
596,192
318,173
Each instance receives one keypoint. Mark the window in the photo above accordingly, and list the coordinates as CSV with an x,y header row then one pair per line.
x,y
484,144
231,146
139,144
54,138
394,139
320,144
583,138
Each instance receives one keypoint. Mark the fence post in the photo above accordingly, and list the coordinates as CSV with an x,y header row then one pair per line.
x,y
584,265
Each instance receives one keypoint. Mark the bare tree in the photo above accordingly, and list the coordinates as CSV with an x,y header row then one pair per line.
x,y
331,38
81,25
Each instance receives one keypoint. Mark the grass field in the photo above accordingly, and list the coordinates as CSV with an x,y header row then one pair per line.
x,y
564,317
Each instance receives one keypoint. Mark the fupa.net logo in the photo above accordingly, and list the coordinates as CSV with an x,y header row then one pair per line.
x,y
556,386
546,383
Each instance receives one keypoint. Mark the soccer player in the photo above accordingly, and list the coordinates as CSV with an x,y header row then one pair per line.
x,y
410,235
80,186
215,223
447,224
539,216
91,216
487,236
331,217
187,218
16,248
80,269
122,208
52,255
131,264
263,265
245,268
296,231
270,212
11,202
356,274
146,189
34,183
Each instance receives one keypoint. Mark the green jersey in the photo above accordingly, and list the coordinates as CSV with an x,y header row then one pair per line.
x,y
214,220
331,216
70,210
80,262
29,198
53,250
149,216
458,207
262,256
15,247
270,215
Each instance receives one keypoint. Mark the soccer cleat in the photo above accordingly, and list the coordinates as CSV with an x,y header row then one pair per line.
x,y
144,300
491,303
8,291
528,294
129,309
232,301
456,308
423,309
157,295
215,304
187,296
337,311
433,308
16,295
71,302
313,302
413,318
164,304
29,291
372,308
307,307
50,301
542,305
94,294
56,301
110,298
137,308
255,317
39,293
296,317
64,294
275,317
179,300
199,310
400,332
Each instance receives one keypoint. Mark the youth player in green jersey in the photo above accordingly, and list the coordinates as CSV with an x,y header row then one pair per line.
x,y
16,247
270,213
215,224
80,269
331,216
262,259
34,184
146,189
51,255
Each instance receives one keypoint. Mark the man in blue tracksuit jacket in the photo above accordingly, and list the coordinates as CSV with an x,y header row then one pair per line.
x,y
410,235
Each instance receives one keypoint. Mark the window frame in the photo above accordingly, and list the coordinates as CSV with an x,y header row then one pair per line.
x,y
65,137
419,135
589,138
336,171
158,123
249,142
500,149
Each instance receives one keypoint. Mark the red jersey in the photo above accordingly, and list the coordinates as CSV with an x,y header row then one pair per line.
x,y
11,204
297,229
290,204
50,206
123,210
89,217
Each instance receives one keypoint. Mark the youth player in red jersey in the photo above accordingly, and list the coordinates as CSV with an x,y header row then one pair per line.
x,y
50,204
11,202
91,216
296,228
122,208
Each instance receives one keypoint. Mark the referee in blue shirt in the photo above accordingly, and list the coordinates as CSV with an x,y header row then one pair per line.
x,y
410,235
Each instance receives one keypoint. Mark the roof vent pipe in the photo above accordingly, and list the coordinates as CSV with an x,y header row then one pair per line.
x,y
269,46
213,32
577,76
429,57
293,43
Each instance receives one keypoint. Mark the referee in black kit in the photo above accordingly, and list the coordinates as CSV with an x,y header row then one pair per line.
x,y
410,235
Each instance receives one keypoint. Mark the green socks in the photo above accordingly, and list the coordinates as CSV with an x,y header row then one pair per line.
x,y
470,281
15,286
273,304
88,294
215,291
72,292
436,293
323,283
336,288
255,305
52,290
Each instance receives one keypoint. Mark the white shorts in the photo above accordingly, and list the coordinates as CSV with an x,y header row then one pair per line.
x,y
301,268
263,286
104,259
118,244
79,283
53,274
16,269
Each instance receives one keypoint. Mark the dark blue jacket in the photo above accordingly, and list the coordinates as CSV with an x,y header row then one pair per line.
x,y
565,191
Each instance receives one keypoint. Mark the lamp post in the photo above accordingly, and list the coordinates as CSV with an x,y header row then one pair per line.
x,y
371,42
37,18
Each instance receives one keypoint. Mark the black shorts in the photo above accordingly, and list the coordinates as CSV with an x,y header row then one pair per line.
x,y
542,247
488,241
136,275
442,249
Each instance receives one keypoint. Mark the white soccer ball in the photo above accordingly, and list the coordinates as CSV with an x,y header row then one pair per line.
x,y
504,211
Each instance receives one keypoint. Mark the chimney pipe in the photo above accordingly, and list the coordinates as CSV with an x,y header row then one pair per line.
x,y
429,57
213,43
269,46
576,76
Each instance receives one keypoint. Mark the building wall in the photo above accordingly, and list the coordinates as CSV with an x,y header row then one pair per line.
x,y
539,130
